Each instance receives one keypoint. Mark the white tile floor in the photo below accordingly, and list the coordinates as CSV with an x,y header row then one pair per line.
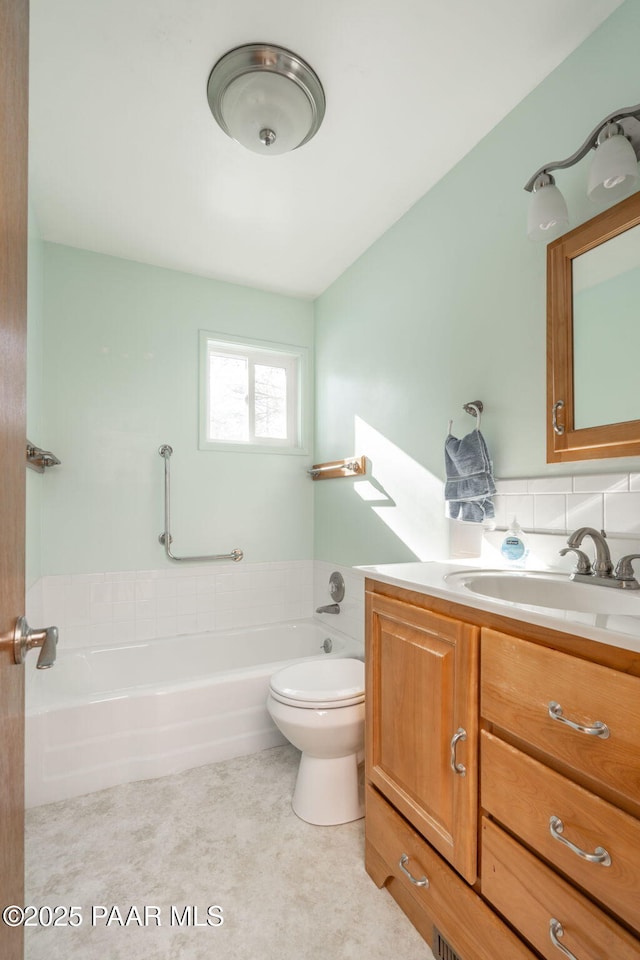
x,y
222,835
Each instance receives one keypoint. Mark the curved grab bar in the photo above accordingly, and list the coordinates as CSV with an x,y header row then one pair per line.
x,y
165,537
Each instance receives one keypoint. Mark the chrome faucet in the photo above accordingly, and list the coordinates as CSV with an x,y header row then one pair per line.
x,y
601,571
336,589
602,567
624,572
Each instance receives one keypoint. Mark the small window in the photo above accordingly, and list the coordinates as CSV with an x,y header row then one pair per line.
x,y
251,395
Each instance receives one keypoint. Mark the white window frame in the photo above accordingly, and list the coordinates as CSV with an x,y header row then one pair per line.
x,y
295,359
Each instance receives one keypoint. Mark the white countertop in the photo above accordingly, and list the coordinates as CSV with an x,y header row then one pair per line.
x,y
428,577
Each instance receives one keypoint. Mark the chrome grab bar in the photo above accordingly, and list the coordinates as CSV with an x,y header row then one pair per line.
x,y
165,538
599,855
598,729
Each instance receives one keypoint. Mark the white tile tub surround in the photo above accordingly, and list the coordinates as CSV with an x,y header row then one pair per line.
x,y
129,606
609,501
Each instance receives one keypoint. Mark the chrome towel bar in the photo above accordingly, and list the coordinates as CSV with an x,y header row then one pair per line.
x,y
165,538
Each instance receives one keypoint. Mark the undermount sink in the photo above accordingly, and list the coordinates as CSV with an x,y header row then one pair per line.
x,y
542,589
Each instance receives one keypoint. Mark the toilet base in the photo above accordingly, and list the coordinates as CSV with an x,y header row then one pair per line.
x,y
327,790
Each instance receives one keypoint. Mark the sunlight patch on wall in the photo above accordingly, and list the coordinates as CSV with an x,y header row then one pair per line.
x,y
403,493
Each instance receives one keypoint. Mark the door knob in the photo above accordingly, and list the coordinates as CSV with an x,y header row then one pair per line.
x,y
25,639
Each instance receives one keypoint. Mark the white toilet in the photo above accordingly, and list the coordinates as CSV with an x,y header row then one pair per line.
x,y
319,706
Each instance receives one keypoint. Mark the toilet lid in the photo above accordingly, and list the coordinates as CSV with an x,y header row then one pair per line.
x,y
319,681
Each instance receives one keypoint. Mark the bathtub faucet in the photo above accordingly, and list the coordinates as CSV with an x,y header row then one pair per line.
x,y
329,608
336,591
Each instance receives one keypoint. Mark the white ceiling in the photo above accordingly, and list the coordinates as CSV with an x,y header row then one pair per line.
x,y
127,160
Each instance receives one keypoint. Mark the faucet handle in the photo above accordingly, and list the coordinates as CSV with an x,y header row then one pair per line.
x,y
584,564
624,568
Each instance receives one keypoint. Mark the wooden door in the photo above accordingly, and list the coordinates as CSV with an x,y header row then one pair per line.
x,y
422,688
13,295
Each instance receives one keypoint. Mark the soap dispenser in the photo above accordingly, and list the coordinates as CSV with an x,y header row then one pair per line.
x,y
514,547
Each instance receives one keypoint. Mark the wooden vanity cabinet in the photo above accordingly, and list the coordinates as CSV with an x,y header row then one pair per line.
x,y
422,722
421,826
476,855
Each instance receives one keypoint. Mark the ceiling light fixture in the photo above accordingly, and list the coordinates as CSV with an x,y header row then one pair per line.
x,y
265,97
613,172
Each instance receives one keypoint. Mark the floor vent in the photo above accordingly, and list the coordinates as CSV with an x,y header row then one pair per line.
x,y
441,949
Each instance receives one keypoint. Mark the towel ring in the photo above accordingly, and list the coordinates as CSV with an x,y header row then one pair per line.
x,y
475,408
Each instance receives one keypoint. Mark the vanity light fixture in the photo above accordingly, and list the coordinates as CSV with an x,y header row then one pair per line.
x,y
265,97
613,172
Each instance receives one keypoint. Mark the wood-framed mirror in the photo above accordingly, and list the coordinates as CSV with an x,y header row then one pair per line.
x,y
593,338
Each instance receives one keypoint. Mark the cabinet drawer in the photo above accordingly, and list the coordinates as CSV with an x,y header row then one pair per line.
x,y
471,927
520,681
530,896
524,795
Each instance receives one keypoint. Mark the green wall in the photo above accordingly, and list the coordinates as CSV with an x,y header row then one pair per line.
x,y
448,306
121,378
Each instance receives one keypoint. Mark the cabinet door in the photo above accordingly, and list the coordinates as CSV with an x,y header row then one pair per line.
x,y
422,690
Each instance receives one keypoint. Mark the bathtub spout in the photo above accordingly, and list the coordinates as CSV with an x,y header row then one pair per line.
x,y
329,608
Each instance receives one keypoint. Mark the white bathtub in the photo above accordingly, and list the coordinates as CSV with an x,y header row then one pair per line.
x,y
103,716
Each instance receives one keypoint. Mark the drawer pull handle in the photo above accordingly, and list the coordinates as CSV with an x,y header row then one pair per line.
x,y
599,855
598,729
459,768
417,883
557,930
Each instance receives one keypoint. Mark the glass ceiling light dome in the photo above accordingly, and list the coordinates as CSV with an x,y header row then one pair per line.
x,y
265,97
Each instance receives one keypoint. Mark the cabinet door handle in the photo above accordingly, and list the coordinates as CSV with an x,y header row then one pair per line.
x,y
599,855
404,859
557,427
598,729
557,930
459,768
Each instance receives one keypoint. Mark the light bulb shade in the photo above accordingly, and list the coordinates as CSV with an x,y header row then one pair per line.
x,y
548,214
266,98
614,169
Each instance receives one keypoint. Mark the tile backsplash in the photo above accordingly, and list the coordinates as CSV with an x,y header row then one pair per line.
x,y
608,501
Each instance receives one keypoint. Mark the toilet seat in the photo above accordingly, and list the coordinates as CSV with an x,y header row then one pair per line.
x,y
318,684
